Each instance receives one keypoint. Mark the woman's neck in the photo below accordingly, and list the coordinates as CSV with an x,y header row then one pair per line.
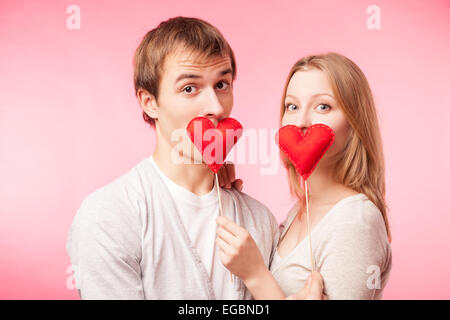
x,y
323,189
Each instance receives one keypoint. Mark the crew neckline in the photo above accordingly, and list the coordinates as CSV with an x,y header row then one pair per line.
x,y
184,194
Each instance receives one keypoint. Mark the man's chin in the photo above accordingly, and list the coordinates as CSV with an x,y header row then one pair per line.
x,y
189,159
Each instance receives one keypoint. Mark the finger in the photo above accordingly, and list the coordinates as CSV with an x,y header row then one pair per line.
x,y
303,292
315,287
224,252
221,178
325,297
231,171
230,226
316,277
238,184
224,247
226,178
226,236
300,295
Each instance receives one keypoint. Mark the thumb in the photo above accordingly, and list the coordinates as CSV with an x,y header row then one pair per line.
x,y
315,287
302,293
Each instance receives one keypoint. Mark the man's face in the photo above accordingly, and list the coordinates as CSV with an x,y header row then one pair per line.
x,y
191,87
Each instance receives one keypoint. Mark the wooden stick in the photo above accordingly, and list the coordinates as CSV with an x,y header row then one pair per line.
x,y
313,262
218,193
220,208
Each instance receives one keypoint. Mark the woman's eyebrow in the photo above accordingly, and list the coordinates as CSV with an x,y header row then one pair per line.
x,y
323,94
314,95
293,98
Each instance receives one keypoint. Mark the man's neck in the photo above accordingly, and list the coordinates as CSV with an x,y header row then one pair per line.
x,y
197,178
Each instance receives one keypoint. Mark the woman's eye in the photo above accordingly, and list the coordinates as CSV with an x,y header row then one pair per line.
x,y
291,107
222,85
189,89
323,107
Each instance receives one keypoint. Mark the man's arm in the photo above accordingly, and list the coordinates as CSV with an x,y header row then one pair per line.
x,y
104,253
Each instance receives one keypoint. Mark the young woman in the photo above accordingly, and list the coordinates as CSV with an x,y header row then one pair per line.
x,y
349,226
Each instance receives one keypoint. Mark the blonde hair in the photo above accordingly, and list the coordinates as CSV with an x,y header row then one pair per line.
x,y
191,34
360,165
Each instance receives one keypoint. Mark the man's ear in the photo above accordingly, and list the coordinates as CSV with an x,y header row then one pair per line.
x,y
148,103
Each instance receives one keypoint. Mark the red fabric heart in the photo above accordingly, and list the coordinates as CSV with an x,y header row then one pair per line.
x,y
305,150
214,142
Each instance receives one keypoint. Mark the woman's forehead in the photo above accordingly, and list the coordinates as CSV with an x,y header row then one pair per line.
x,y
309,82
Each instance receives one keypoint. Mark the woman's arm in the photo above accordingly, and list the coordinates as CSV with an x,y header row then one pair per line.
x,y
356,258
240,255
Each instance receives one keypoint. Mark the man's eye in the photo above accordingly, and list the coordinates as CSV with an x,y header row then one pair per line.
x,y
189,89
291,107
323,107
222,85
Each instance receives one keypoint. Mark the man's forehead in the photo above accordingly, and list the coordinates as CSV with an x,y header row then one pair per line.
x,y
196,61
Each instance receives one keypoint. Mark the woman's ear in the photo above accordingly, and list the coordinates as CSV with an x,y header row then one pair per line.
x,y
148,103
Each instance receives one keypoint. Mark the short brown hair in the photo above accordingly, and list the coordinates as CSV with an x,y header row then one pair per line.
x,y
190,33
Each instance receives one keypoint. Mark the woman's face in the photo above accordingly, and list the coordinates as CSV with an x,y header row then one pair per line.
x,y
309,100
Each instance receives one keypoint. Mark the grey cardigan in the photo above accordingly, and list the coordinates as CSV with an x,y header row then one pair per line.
x,y
127,241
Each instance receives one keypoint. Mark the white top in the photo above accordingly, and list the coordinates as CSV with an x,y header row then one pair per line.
x,y
198,215
128,240
351,251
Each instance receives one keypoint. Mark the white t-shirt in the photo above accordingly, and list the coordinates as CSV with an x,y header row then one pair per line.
x,y
198,215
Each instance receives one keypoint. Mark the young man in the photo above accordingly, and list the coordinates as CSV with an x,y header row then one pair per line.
x,y
150,234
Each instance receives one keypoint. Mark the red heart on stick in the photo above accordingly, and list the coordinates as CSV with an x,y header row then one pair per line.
x,y
305,150
214,142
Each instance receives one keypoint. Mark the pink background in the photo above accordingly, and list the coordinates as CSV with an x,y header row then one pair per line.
x,y
69,121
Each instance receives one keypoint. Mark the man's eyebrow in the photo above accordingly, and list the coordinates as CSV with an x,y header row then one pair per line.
x,y
227,71
187,76
197,76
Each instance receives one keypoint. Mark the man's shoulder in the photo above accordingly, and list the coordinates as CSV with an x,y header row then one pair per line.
x,y
258,210
118,195
108,219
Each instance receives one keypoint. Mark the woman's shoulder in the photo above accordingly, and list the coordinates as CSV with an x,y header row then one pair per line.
x,y
357,208
358,217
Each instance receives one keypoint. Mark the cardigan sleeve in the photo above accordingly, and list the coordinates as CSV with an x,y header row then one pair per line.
x,y
104,247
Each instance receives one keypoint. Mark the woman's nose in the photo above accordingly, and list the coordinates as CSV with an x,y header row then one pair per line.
x,y
303,121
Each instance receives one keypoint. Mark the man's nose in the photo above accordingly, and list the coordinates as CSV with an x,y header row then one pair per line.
x,y
213,110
